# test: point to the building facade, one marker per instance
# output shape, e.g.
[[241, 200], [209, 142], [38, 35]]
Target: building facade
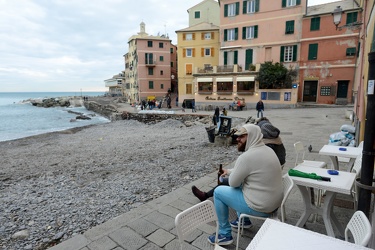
[[328, 59], [148, 66]]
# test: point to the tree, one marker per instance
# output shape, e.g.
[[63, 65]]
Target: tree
[[275, 76]]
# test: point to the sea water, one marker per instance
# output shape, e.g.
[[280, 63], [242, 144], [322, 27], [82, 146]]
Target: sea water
[[20, 119]]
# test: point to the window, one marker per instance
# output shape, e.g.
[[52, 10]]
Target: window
[[162, 86], [189, 36], [313, 51], [250, 32], [250, 6], [248, 59], [149, 43], [189, 89], [231, 9], [230, 57], [351, 17], [150, 71], [161, 72], [350, 52], [151, 84], [161, 58], [315, 23], [245, 86], [207, 51], [225, 87], [197, 14], [289, 27], [207, 36], [161, 45], [205, 87], [289, 3], [189, 52], [189, 69], [288, 53], [149, 58], [171, 50], [231, 34]]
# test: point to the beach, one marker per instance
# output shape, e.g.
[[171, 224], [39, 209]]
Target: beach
[[56, 185]]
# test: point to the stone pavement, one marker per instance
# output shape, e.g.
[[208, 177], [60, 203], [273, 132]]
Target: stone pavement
[[151, 225]]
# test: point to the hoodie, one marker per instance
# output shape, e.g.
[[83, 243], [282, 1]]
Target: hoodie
[[257, 171]]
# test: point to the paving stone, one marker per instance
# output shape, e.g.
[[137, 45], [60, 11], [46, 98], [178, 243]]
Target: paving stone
[[170, 211], [128, 239], [161, 237], [104, 243], [151, 246], [160, 220], [143, 227], [77, 242], [181, 204], [175, 245]]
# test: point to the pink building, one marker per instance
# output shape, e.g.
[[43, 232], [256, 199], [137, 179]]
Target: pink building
[[328, 58]]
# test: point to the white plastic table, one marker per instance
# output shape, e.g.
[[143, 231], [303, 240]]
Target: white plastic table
[[334, 151], [341, 183], [278, 235]]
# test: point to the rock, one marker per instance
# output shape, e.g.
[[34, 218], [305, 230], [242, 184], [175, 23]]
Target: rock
[[21, 234]]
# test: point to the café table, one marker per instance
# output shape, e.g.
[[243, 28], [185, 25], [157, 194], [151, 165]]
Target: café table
[[339, 184], [281, 236], [340, 151]]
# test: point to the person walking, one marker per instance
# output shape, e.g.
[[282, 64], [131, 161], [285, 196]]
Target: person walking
[[193, 106], [255, 184], [260, 108], [176, 101]]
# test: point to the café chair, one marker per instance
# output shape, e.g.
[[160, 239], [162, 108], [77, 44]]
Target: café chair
[[360, 228], [287, 187], [190, 219], [357, 170]]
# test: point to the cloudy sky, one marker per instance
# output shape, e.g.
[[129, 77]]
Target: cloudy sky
[[73, 45]]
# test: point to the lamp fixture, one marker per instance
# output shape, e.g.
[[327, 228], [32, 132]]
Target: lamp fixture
[[337, 14]]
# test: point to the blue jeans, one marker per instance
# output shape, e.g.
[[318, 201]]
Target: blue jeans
[[261, 113], [225, 197]]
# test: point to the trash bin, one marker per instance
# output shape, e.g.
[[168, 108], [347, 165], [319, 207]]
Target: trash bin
[[211, 133]]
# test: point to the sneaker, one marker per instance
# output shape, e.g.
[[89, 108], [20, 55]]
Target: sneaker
[[199, 194], [246, 224], [222, 240]]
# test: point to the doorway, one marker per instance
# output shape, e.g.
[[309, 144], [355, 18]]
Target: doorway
[[342, 89], [310, 89]]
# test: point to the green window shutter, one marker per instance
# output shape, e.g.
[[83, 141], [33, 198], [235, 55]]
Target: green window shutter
[[225, 58], [235, 59], [244, 7], [243, 33], [225, 35], [315, 23], [225, 10], [294, 53], [249, 58], [150, 84], [283, 3], [350, 52], [298, 2], [256, 31], [351, 17], [237, 8], [256, 5], [282, 48], [235, 33], [289, 27], [359, 47], [313, 51]]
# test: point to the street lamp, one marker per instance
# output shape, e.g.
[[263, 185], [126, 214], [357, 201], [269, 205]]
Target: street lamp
[[172, 82], [337, 14]]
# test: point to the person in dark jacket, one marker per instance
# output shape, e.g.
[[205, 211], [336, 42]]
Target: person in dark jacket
[[260, 108]]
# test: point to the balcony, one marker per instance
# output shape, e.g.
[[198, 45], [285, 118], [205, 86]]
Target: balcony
[[150, 63]]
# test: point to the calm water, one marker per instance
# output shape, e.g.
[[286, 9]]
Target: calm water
[[18, 120]]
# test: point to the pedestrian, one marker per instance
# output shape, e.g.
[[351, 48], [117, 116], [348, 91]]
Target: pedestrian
[[183, 106], [260, 108], [217, 114], [193, 106], [176, 101], [255, 184]]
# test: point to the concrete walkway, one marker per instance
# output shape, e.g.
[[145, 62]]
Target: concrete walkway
[[151, 225]]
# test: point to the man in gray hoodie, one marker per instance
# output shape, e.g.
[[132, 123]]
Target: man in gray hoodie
[[255, 183]]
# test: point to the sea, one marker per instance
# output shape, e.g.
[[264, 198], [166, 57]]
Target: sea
[[19, 119]]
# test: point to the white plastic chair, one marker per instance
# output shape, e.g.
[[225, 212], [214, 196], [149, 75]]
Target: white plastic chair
[[357, 170], [300, 157], [287, 187], [190, 219], [360, 227]]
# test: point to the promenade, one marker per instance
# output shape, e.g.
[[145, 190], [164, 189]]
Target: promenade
[[151, 225]]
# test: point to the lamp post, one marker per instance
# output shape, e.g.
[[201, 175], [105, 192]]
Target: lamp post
[[172, 83], [337, 14]]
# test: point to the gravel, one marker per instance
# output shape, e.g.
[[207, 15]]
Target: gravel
[[57, 185]]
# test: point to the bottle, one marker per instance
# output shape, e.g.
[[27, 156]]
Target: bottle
[[219, 178]]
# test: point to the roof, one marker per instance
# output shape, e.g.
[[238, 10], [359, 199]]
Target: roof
[[329, 7], [200, 27], [188, 10]]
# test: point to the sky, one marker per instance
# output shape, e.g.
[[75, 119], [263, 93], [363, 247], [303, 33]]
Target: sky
[[74, 45]]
